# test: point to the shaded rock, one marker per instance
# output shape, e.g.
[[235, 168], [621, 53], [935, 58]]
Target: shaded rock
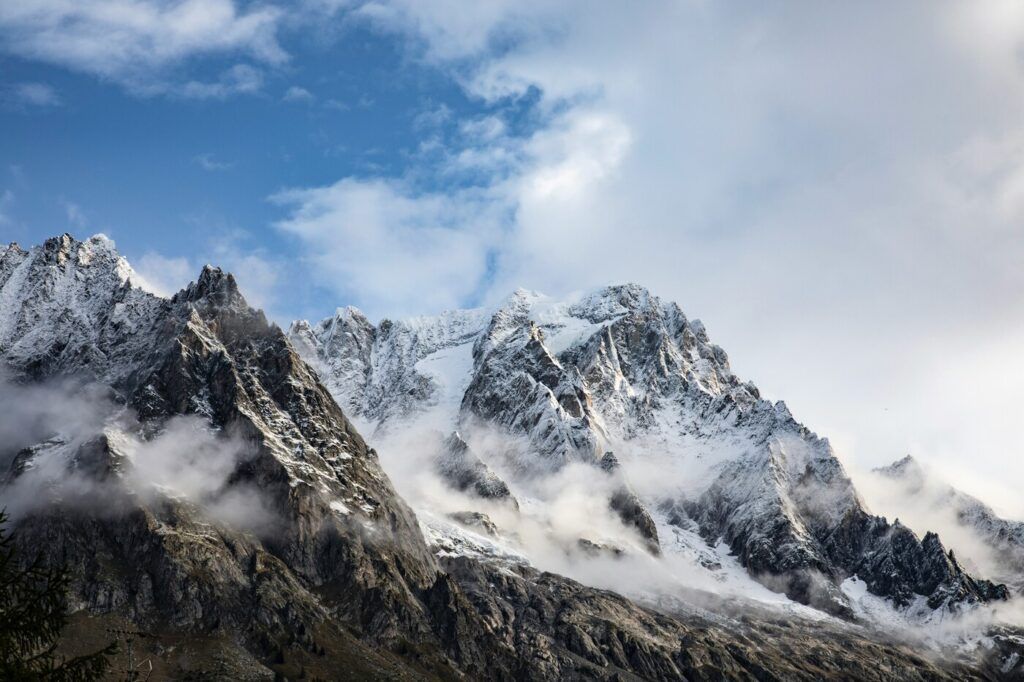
[[461, 468], [596, 549], [477, 521]]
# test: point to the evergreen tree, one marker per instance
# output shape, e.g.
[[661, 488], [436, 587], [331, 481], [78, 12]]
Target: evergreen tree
[[32, 617]]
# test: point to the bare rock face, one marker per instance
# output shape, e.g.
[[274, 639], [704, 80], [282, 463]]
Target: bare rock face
[[477, 521], [302, 560], [564, 629], [464, 471]]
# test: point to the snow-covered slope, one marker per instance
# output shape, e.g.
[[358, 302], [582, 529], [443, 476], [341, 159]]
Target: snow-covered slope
[[539, 387], [60, 302]]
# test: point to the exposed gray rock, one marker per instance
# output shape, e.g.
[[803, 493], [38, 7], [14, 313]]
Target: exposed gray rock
[[461, 468], [564, 630], [596, 549], [477, 521]]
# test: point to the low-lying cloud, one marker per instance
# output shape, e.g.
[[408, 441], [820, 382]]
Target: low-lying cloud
[[71, 443], [564, 523], [927, 503]]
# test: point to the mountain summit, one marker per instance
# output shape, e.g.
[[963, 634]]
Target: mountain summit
[[704, 458], [186, 461]]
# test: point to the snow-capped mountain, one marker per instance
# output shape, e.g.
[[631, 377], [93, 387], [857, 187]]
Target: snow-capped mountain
[[923, 493], [699, 454], [202, 486]]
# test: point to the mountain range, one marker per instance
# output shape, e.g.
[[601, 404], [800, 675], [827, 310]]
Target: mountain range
[[577, 488]]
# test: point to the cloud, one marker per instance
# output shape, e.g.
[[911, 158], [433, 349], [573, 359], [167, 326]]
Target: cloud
[[927, 505], [859, 240], [186, 457], [432, 117], [162, 275], [33, 413], [453, 31], [239, 79], [75, 214], [6, 200], [31, 95], [556, 512], [391, 247], [50, 434], [259, 277], [298, 94], [207, 162], [139, 44]]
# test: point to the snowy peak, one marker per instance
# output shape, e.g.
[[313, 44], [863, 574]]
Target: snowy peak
[[563, 382], [560, 384], [69, 308], [214, 287], [382, 371], [520, 387], [906, 470], [58, 301]]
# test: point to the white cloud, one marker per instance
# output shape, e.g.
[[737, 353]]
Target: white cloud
[[483, 128], [240, 79], [208, 162], [162, 275], [846, 220], [75, 214], [138, 43], [389, 247], [6, 200], [840, 216], [298, 94], [26, 95], [452, 30], [432, 117], [187, 457], [259, 277]]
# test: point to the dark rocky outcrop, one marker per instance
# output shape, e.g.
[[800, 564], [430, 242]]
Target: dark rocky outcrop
[[461, 468], [625, 502], [477, 521]]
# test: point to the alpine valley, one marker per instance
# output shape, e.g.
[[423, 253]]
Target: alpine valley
[[545, 489]]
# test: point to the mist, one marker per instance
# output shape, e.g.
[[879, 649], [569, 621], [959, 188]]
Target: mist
[[564, 524], [927, 504], [72, 444]]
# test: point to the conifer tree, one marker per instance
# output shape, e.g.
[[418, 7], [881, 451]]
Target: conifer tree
[[32, 616]]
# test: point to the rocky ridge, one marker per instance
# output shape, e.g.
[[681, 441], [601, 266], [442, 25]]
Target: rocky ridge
[[618, 370], [341, 584], [1003, 537]]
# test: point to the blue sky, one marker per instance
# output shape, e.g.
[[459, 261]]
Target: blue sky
[[836, 189], [183, 175]]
